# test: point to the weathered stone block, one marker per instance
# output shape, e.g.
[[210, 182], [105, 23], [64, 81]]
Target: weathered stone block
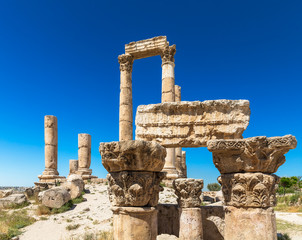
[[11, 200], [55, 197], [255, 154], [192, 124], [132, 155], [168, 213]]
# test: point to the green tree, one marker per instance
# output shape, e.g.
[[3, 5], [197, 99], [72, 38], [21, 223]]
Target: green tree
[[285, 182], [213, 187]]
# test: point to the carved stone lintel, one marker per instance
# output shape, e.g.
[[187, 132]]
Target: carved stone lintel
[[126, 62], [188, 191], [168, 54], [132, 155], [249, 189], [256, 154], [134, 189]]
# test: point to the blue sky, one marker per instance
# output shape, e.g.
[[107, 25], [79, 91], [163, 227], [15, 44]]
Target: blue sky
[[60, 58]]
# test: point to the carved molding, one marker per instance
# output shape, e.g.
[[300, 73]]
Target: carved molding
[[168, 53], [126, 62], [188, 191], [134, 189], [249, 189], [256, 154]]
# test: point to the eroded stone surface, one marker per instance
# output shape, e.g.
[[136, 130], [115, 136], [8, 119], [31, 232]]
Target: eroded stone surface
[[55, 197], [74, 185], [132, 155], [249, 189], [136, 189], [190, 224], [188, 191], [12, 200], [192, 124], [256, 154], [147, 47]]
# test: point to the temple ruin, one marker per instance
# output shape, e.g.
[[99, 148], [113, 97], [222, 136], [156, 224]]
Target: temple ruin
[[136, 167]]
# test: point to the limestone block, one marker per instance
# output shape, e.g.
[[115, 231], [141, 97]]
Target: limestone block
[[55, 197], [250, 224], [135, 223], [74, 185], [146, 48], [84, 151], [132, 155], [213, 222], [190, 224], [168, 219], [11, 200], [137, 189], [73, 166], [256, 154], [192, 124], [6, 193], [249, 189], [188, 191]]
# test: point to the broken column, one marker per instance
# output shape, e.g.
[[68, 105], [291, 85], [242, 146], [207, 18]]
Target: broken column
[[84, 155], [50, 174], [73, 166], [248, 183], [188, 191], [126, 112], [134, 177], [168, 95]]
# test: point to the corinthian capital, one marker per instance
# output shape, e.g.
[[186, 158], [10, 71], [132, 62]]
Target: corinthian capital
[[126, 62], [167, 54]]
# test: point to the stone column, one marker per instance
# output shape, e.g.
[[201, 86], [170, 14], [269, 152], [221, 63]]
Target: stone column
[[84, 155], [73, 166], [184, 164], [168, 95], [188, 191], [134, 178], [126, 111], [50, 174], [248, 183]]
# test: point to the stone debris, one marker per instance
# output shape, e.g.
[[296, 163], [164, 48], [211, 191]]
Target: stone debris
[[74, 185], [6, 193], [13, 199], [55, 197]]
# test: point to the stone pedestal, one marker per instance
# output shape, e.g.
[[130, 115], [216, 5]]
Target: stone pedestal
[[249, 185], [250, 224], [134, 177], [190, 223], [51, 174], [84, 155], [73, 166], [126, 111], [134, 223], [188, 191]]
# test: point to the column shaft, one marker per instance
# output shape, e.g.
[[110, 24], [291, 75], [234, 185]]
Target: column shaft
[[51, 145]]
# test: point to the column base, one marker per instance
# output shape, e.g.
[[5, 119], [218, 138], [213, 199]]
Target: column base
[[190, 224], [250, 224], [134, 223], [85, 173]]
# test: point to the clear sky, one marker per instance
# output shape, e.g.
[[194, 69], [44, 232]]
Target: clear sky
[[60, 58]]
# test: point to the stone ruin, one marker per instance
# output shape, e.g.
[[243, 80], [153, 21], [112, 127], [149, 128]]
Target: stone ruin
[[136, 167]]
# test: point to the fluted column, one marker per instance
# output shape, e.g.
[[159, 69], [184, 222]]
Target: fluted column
[[126, 111], [168, 95], [188, 191]]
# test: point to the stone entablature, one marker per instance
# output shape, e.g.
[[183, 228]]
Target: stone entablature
[[256, 154], [134, 189], [192, 124], [132, 155], [147, 48], [249, 189], [188, 191]]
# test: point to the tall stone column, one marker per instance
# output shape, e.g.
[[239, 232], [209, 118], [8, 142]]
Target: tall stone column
[[50, 174], [126, 111], [134, 177], [248, 183], [84, 156], [184, 164], [188, 191], [168, 95], [178, 151]]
